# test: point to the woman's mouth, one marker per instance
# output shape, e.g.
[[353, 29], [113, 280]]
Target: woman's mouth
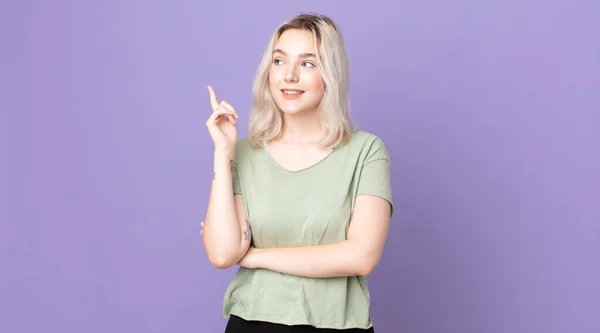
[[292, 93]]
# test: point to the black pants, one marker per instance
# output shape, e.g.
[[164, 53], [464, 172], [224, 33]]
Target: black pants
[[239, 325]]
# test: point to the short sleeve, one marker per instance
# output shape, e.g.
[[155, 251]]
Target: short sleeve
[[375, 173], [235, 178], [239, 165]]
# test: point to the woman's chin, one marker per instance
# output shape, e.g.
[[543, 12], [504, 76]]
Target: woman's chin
[[295, 109]]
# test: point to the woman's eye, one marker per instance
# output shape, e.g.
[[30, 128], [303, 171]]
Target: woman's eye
[[278, 61], [309, 64]]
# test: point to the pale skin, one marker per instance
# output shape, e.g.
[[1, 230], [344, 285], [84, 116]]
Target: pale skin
[[226, 232], [226, 236]]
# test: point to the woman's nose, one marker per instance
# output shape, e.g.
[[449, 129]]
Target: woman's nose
[[290, 75]]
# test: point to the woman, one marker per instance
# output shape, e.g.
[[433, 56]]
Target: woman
[[303, 204]]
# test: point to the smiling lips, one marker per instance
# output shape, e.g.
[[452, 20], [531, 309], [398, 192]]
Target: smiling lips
[[292, 94]]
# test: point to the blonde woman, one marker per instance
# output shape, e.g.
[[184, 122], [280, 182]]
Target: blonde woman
[[303, 204]]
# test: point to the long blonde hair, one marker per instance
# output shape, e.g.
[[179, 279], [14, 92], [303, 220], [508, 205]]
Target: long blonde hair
[[266, 120]]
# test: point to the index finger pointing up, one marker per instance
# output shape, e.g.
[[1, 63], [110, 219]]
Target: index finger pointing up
[[213, 98]]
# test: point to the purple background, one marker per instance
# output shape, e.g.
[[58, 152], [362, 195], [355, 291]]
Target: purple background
[[490, 110]]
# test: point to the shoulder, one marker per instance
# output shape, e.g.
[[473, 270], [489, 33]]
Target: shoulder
[[369, 145], [245, 149], [243, 146]]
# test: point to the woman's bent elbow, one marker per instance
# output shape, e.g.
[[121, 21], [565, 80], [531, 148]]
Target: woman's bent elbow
[[221, 261], [367, 266], [227, 259]]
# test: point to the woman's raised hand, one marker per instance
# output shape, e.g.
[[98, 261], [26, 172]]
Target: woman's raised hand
[[222, 123]]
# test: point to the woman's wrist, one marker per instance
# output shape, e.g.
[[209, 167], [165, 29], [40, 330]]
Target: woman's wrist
[[224, 153], [252, 258]]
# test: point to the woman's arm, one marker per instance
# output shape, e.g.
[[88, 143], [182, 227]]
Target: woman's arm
[[226, 234], [359, 255]]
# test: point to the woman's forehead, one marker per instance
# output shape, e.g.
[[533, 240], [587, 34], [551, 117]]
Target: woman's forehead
[[295, 42]]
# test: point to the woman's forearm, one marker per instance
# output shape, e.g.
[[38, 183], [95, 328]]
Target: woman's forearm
[[222, 235], [320, 261]]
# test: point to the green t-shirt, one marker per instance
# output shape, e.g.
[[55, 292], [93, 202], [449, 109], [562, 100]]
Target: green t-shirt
[[301, 208]]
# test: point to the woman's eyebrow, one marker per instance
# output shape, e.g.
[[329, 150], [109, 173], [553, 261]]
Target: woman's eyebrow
[[301, 55]]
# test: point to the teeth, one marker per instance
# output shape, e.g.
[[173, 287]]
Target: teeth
[[292, 92]]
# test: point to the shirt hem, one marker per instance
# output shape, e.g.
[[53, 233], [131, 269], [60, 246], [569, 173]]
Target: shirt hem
[[296, 322]]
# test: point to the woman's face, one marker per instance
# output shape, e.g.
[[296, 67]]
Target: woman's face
[[294, 79]]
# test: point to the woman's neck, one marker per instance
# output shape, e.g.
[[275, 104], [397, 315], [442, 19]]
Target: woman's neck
[[302, 129]]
